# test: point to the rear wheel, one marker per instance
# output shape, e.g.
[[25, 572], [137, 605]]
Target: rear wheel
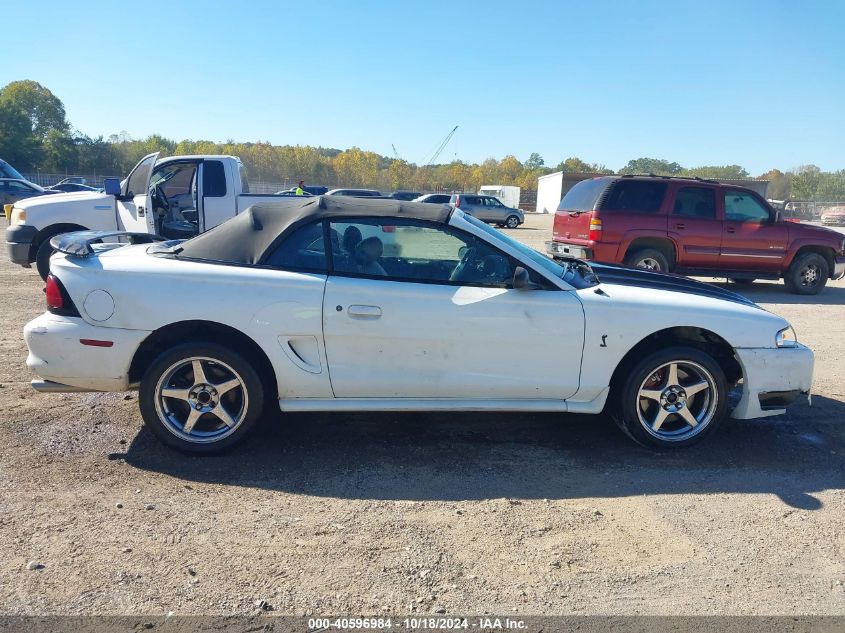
[[512, 222], [807, 275], [201, 397], [649, 259], [673, 398]]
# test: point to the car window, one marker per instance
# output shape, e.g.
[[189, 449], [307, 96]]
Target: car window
[[635, 196], [743, 207], [417, 251], [492, 202], [304, 249], [474, 200], [213, 179], [21, 187], [584, 195], [695, 202]]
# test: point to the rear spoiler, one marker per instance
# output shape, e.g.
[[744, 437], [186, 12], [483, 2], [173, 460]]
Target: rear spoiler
[[78, 244]]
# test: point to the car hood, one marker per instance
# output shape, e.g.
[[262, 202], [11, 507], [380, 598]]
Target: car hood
[[799, 229], [93, 197], [627, 276]]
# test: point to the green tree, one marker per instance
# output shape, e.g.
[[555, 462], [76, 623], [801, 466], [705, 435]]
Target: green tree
[[780, 184], [17, 143], [44, 109], [717, 172], [535, 161], [651, 166], [805, 182]]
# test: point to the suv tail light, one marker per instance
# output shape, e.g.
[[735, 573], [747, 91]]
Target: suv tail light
[[58, 300], [595, 230], [457, 201]]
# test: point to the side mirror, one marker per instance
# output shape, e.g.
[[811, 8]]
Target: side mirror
[[112, 186], [522, 280]]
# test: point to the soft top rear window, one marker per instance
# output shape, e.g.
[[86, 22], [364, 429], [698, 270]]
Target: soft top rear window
[[584, 195]]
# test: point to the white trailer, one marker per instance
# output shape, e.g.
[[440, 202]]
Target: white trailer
[[549, 188], [507, 194]]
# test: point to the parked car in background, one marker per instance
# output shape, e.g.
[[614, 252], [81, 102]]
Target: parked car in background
[[404, 195], [295, 303], [488, 209], [834, 216], [71, 187], [434, 198], [313, 190], [14, 189], [355, 193], [693, 227]]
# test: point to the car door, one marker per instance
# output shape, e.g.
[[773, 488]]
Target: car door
[[752, 238], [134, 209], [695, 226], [439, 318]]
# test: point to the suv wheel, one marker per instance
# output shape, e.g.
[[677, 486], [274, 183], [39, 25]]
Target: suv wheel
[[512, 222], [807, 275], [200, 397], [42, 257], [649, 259], [672, 398]]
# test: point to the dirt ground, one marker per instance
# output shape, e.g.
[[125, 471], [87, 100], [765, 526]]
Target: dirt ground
[[415, 513]]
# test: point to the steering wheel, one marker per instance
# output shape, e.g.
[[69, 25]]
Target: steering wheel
[[159, 199], [468, 262]]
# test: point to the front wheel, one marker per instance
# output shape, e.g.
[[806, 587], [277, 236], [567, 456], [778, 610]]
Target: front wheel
[[42, 258], [512, 222], [673, 398], [807, 275], [201, 397]]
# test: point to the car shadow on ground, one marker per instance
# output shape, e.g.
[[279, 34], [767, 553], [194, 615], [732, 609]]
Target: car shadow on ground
[[776, 292], [451, 456]]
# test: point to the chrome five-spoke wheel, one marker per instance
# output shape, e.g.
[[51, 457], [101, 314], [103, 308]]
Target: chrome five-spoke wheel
[[672, 397], [201, 397], [677, 400]]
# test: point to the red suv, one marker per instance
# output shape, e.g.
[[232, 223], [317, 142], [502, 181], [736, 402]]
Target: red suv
[[693, 227]]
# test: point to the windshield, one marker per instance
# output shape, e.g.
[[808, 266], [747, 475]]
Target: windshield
[[573, 271], [7, 171]]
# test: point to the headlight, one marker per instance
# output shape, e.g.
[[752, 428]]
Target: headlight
[[18, 216], [786, 337]]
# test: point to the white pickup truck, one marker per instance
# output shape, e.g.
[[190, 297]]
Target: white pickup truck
[[176, 197]]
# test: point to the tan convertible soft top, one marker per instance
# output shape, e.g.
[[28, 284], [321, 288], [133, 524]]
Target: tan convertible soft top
[[246, 238]]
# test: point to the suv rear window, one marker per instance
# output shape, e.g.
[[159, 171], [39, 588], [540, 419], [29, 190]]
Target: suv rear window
[[583, 196], [635, 196]]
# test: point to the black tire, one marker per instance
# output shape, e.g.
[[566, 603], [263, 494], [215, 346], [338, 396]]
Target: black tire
[[649, 259], [243, 403], [807, 275], [42, 257], [512, 222], [709, 405], [743, 282]]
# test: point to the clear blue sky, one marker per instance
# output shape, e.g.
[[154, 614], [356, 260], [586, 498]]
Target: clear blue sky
[[760, 84]]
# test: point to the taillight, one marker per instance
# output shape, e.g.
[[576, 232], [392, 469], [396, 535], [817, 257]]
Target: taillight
[[595, 230], [457, 201], [54, 294]]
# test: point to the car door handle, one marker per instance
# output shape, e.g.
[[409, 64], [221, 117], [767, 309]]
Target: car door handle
[[680, 226], [364, 312], [731, 229]]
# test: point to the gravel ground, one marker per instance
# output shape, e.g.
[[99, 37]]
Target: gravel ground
[[418, 513]]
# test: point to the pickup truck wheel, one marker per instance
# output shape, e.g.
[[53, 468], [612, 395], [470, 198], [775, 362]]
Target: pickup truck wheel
[[200, 397], [512, 222], [42, 258], [807, 275], [673, 398], [649, 259]]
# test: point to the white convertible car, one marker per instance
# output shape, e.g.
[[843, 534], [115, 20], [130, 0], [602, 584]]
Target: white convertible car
[[343, 304]]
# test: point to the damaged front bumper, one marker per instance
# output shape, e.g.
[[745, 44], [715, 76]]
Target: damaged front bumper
[[772, 379]]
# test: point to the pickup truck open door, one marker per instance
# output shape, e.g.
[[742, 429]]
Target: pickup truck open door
[[134, 207]]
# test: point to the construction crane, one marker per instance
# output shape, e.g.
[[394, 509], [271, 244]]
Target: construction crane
[[441, 147], [395, 153]]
